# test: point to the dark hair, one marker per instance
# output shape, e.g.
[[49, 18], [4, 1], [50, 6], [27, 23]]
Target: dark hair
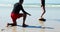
[[21, 1]]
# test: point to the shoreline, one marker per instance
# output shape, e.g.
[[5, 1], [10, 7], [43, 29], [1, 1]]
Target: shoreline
[[29, 5]]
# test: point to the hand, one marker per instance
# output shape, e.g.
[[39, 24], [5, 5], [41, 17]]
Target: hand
[[29, 14]]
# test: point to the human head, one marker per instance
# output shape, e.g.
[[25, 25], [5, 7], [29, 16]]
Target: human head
[[21, 1]]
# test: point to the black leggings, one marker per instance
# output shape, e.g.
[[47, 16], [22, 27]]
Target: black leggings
[[43, 2]]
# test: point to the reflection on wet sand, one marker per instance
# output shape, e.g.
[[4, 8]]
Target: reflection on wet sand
[[14, 29], [42, 23], [42, 30], [24, 29]]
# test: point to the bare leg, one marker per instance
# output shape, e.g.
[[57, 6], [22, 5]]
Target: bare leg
[[24, 18], [43, 11], [42, 19], [14, 22]]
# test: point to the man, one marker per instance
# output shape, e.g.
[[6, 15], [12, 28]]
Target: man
[[15, 14]]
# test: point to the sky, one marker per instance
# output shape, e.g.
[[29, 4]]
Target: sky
[[29, 1]]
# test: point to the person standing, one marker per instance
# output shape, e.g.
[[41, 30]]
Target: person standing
[[43, 7]]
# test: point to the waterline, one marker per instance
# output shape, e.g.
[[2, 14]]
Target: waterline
[[25, 5]]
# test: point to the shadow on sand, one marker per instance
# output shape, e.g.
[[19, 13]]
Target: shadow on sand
[[36, 27]]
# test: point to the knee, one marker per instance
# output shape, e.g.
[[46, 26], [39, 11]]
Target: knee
[[24, 14], [44, 11]]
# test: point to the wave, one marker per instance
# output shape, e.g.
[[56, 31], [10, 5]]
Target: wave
[[31, 5]]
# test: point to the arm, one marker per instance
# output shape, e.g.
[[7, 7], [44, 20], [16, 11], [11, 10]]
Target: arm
[[24, 11]]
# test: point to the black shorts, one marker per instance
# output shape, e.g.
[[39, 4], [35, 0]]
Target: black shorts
[[43, 3]]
